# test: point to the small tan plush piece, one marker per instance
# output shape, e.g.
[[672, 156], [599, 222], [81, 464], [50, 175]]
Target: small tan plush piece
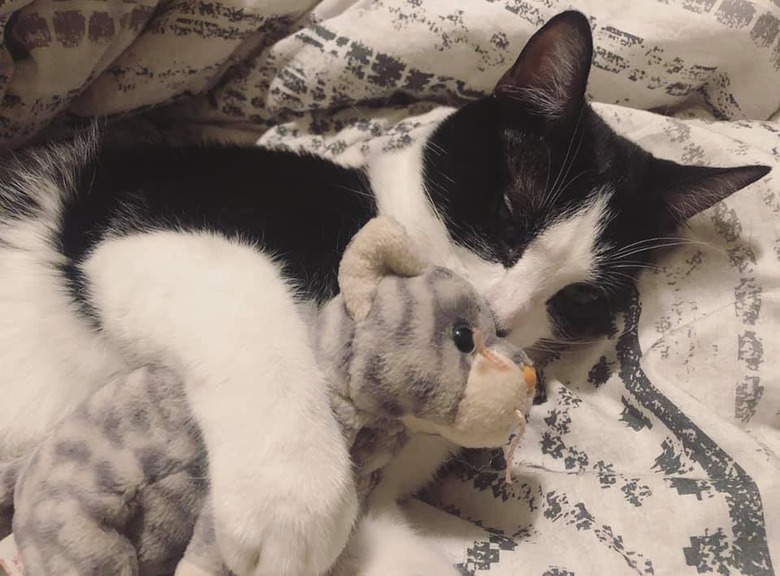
[[380, 248]]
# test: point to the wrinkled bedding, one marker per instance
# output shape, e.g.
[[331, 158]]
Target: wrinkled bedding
[[658, 451]]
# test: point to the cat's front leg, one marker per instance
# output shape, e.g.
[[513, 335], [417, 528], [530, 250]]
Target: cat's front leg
[[221, 314]]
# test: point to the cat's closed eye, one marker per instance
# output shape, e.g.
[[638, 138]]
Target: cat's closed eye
[[580, 294], [580, 310]]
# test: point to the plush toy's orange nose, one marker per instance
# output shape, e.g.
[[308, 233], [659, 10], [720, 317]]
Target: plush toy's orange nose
[[529, 374]]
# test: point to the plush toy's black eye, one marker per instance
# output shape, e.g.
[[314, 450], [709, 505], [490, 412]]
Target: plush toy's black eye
[[463, 338]]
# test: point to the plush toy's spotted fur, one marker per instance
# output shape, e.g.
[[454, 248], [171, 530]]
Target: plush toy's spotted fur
[[123, 474]]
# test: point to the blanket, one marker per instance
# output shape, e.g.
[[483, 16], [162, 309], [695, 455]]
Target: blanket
[[658, 451]]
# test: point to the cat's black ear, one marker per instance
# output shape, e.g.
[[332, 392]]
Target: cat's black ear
[[550, 75], [687, 190]]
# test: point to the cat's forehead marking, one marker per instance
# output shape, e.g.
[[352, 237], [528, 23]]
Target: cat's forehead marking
[[566, 251]]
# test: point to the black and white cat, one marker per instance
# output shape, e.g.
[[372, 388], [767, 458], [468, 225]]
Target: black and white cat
[[205, 258]]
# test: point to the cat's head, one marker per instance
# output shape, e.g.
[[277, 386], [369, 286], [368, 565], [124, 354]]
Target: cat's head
[[562, 212]]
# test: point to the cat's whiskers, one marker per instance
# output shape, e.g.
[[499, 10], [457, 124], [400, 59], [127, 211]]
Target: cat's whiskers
[[657, 240], [564, 184], [641, 263], [568, 161], [569, 183], [560, 187], [362, 193], [433, 183], [648, 249], [550, 194], [439, 187], [549, 171], [662, 243], [636, 266], [447, 177], [612, 282], [435, 148]]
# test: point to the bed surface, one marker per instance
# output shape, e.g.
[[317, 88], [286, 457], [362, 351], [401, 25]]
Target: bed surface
[[658, 451]]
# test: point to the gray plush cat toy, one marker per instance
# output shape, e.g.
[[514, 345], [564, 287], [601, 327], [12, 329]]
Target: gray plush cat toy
[[120, 487]]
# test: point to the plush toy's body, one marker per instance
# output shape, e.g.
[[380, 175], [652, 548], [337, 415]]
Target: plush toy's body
[[120, 486]]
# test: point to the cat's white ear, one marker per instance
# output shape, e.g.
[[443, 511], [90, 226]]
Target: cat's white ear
[[549, 78], [382, 247]]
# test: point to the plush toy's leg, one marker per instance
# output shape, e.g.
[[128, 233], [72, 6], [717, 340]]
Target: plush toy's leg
[[82, 548], [164, 529], [222, 314], [113, 475], [66, 519]]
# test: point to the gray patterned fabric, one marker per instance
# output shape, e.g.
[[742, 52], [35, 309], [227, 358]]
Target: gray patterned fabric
[[658, 451], [289, 69], [117, 488]]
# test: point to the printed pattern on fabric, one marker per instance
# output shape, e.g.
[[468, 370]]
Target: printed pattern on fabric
[[658, 451], [336, 69]]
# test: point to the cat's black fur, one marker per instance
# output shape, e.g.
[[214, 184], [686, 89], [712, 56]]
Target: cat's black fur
[[302, 208], [487, 170]]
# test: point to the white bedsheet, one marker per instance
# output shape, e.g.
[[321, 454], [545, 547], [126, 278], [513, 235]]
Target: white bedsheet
[[658, 450]]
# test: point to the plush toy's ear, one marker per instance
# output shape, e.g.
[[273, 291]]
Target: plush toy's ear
[[380, 248]]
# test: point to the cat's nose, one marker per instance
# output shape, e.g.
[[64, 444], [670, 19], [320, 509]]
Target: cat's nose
[[506, 323], [507, 311]]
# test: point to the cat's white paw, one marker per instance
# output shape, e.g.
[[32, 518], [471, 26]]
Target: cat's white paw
[[267, 537], [288, 518]]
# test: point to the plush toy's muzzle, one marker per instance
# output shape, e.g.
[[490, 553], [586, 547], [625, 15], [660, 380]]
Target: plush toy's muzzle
[[496, 399]]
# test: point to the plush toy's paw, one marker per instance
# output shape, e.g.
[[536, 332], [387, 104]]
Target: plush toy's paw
[[286, 520]]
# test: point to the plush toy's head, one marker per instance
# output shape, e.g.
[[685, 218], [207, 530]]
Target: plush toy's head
[[417, 343]]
